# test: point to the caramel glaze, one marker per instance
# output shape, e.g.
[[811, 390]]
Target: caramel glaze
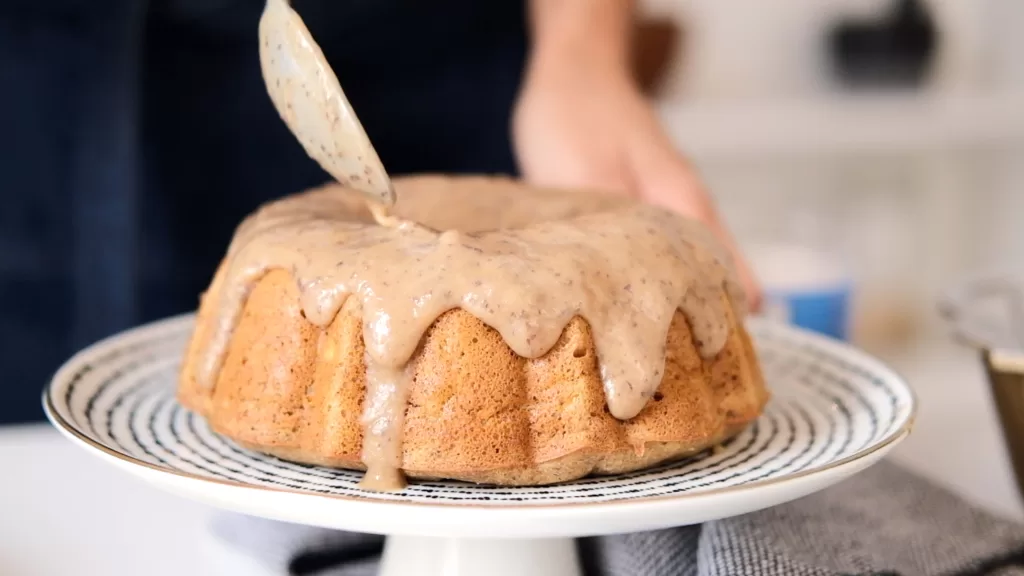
[[524, 261]]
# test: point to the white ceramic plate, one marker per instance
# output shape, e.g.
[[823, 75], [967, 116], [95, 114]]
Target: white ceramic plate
[[834, 412]]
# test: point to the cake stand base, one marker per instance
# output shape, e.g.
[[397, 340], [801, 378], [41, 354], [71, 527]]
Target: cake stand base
[[424, 556]]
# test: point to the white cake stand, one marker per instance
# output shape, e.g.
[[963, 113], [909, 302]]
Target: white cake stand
[[835, 411]]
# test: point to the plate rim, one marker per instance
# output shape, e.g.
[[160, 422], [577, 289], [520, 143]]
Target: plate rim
[[898, 433]]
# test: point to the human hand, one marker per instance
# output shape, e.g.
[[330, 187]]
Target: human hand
[[586, 126]]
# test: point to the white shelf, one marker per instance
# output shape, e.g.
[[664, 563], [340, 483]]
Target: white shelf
[[848, 124]]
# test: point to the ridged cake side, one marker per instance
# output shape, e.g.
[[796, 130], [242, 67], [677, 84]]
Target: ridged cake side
[[476, 411]]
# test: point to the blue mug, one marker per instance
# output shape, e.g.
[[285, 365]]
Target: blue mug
[[805, 288]]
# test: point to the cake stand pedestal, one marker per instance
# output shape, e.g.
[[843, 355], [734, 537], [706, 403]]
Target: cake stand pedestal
[[415, 556]]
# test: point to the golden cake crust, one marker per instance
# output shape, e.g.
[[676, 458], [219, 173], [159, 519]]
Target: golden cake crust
[[477, 411]]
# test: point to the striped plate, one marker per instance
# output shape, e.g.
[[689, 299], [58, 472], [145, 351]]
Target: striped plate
[[834, 411]]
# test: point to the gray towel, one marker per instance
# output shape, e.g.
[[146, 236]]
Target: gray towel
[[884, 521]]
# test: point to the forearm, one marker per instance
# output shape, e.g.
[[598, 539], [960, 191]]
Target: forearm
[[574, 35]]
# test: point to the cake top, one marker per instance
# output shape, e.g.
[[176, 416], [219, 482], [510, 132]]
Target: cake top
[[523, 260]]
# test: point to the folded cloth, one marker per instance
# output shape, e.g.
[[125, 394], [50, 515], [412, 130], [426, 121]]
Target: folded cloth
[[884, 521]]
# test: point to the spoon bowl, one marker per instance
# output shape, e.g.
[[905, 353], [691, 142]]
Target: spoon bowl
[[307, 95]]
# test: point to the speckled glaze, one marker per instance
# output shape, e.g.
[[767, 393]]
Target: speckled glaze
[[310, 100]]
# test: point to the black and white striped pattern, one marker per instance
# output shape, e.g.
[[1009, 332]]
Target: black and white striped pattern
[[830, 404]]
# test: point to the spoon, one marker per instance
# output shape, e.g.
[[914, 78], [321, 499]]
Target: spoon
[[310, 100]]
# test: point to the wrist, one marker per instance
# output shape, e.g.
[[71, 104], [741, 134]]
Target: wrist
[[574, 39]]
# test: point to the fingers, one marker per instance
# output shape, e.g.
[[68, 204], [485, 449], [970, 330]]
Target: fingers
[[566, 172], [665, 179]]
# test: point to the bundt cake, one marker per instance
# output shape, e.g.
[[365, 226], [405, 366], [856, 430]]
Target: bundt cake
[[502, 334]]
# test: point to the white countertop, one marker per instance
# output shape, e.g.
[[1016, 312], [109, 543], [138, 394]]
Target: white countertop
[[63, 511]]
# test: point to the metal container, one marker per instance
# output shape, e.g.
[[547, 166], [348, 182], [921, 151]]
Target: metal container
[[987, 313]]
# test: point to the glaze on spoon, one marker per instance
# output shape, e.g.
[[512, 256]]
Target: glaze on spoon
[[310, 100]]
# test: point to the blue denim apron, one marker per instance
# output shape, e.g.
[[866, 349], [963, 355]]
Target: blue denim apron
[[134, 136]]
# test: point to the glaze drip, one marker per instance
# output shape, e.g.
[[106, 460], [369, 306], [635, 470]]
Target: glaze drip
[[387, 394]]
